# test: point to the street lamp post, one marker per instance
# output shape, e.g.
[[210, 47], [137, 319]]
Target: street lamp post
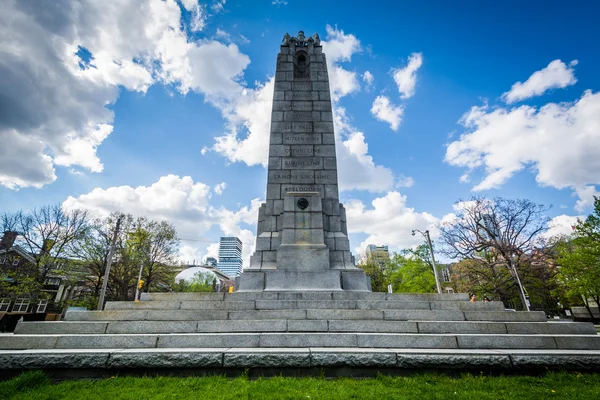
[[108, 263], [435, 273], [521, 290]]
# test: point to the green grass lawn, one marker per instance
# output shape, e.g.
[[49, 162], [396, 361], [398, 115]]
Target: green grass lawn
[[35, 385]]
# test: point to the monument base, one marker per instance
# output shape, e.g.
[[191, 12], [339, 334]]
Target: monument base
[[303, 281]]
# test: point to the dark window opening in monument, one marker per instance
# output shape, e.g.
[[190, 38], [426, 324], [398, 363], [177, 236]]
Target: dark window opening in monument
[[301, 69]]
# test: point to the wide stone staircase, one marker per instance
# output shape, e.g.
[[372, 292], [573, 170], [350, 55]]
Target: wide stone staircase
[[342, 331]]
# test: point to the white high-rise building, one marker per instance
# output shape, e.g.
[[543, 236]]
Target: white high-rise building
[[230, 256]]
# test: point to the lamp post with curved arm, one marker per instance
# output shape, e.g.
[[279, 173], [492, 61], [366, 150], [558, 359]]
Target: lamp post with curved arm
[[426, 236]]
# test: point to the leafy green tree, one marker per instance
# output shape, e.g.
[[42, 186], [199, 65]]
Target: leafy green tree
[[141, 243], [501, 238], [201, 282], [47, 234], [411, 271], [375, 273], [579, 258]]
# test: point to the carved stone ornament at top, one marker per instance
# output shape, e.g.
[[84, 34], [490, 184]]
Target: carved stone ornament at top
[[317, 39], [301, 40]]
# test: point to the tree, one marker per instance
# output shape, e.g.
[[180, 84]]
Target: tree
[[157, 245], [579, 258], [484, 277], [375, 273], [140, 243], [201, 282], [411, 271], [92, 251], [47, 234], [500, 238]]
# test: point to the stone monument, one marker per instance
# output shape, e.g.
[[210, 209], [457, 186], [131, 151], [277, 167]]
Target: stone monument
[[302, 306], [302, 238]]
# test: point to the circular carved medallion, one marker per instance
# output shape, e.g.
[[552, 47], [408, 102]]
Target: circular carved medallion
[[302, 203]]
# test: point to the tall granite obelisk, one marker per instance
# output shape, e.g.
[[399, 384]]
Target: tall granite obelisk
[[302, 239]]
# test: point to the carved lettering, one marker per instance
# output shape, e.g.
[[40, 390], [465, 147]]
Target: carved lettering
[[302, 116], [302, 106], [301, 127], [302, 189], [299, 151], [301, 163], [301, 96], [301, 139], [302, 86], [292, 176]]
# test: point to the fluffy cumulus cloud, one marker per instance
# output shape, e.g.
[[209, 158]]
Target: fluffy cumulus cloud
[[248, 121], [63, 63], [561, 142], [389, 221], [406, 78], [181, 201], [339, 47], [356, 168], [385, 111], [562, 225], [555, 76], [220, 188]]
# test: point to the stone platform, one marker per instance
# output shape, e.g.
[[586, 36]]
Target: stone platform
[[301, 333]]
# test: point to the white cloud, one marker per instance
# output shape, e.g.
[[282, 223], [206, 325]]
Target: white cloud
[[356, 168], [248, 115], [561, 142], [385, 111], [406, 78], [368, 78], [339, 47], [54, 97], [220, 188], [562, 225], [199, 15], [404, 181], [218, 6], [279, 3], [555, 76], [230, 221], [179, 200], [221, 34], [389, 222], [586, 196]]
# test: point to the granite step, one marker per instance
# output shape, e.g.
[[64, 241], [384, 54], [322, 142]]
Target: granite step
[[242, 296], [283, 340], [312, 314], [233, 305], [333, 361], [282, 325]]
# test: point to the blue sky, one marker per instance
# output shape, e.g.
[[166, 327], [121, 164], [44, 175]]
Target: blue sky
[[169, 117]]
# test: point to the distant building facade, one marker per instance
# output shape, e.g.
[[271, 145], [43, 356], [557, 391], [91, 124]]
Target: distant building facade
[[445, 276], [230, 256], [17, 263], [211, 261], [378, 254]]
